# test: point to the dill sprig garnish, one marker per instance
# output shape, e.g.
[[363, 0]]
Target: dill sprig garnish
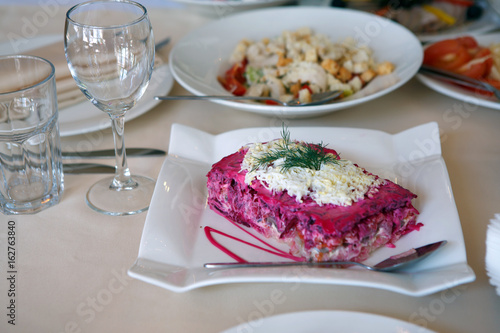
[[296, 154]]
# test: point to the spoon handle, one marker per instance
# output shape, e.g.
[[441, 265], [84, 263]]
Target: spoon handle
[[323, 264], [387, 265], [221, 97]]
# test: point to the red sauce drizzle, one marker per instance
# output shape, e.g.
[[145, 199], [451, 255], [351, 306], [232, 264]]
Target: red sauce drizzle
[[271, 249]]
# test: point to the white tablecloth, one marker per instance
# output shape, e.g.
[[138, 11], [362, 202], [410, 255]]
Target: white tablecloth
[[71, 262]]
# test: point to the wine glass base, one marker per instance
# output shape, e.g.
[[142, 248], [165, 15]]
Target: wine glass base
[[106, 200]]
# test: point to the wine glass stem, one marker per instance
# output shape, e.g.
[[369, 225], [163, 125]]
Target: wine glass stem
[[122, 179]]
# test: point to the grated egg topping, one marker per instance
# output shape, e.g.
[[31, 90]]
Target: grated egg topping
[[340, 183]]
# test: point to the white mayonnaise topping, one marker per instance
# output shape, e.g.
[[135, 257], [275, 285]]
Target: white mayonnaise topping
[[340, 183]]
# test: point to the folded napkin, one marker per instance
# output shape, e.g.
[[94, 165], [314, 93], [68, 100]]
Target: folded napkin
[[12, 80], [493, 252], [68, 92]]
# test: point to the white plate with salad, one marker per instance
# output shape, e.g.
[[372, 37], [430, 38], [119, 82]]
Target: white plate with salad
[[463, 94], [432, 20], [202, 56], [220, 8], [488, 21], [174, 244]]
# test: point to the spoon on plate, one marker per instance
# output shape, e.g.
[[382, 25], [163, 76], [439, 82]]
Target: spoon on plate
[[387, 265], [316, 99]]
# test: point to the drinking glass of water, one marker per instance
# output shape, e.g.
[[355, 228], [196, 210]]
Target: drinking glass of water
[[31, 175]]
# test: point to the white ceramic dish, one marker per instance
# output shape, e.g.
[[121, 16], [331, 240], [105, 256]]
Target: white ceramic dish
[[487, 22], [84, 117], [328, 321], [174, 246], [221, 8], [495, 5], [463, 94], [202, 55]]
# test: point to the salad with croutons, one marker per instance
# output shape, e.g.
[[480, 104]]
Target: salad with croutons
[[299, 63]]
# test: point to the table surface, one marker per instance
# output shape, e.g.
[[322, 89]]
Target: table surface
[[69, 257]]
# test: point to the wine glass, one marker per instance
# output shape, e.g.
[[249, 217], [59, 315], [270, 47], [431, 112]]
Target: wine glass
[[109, 47]]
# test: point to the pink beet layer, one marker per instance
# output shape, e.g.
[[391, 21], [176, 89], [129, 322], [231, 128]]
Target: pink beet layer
[[317, 233]]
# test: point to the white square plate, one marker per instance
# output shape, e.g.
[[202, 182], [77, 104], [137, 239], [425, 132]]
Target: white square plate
[[174, 246]]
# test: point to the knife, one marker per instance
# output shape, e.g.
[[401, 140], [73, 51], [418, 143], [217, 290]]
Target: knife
[[162, 43], [79, 168], [110, 153]]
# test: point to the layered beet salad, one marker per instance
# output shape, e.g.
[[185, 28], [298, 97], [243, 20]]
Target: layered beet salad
[[324, 207]]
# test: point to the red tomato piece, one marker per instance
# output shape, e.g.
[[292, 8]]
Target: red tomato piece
[[479, 66], [448, 54], [270, 102], [468, 41], [493, 82], [234, 80], [306, 86], [463, 55]]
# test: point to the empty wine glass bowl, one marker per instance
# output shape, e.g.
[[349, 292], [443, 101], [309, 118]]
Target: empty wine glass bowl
[[109, 47]]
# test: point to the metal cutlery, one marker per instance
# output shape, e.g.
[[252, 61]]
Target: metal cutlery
[[80, 168], [110, 153], [387, 265], [459, 79], [316, 99], [162, 43]]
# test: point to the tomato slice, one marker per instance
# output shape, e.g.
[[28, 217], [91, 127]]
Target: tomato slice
[[468, 41], [234, 79], [270, 102], [463, 55], [306, 86], [479, 66], [235, 87], [493, 82], [448, 54]]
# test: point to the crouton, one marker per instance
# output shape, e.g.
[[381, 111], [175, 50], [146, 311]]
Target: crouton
[[295, 88], [282, 61], [331, 66], [343, 75], [385, 68], [368, 75]]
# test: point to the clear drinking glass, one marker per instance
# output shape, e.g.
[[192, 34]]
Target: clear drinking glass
[[109, 47], [31, 172]]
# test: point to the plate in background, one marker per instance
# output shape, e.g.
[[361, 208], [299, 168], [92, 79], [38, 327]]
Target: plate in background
[[221, 8], [84, 117], [198, 58], [459, 93], [488, 21], [328, 321]]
